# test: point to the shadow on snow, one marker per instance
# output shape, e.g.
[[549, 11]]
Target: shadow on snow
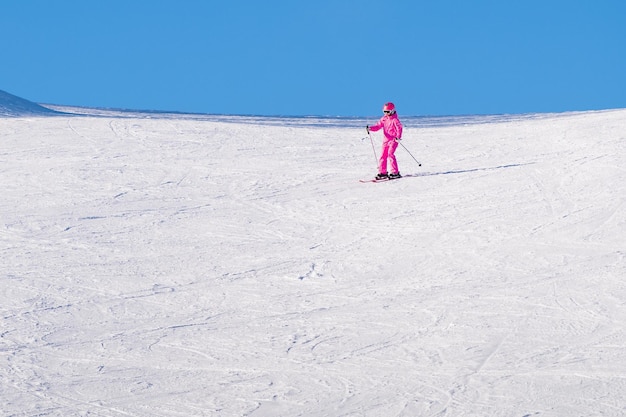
[[464, 171]]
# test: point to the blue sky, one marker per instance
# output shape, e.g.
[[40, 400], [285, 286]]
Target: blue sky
[[336, 58]]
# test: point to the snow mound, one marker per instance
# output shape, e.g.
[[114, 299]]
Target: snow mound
[[13, 106]]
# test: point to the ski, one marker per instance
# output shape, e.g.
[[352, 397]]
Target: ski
[[380, 180], [375, 180], [388, 179]]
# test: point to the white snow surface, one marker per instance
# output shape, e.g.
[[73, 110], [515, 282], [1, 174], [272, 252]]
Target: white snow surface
[[187, 265]]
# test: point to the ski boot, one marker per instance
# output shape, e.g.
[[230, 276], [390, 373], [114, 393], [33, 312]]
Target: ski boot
[[381, 176]]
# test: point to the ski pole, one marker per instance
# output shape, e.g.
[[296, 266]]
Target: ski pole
[[418, 162], [373, 149]]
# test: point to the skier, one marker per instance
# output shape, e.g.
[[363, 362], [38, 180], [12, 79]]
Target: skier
[[392, 130]]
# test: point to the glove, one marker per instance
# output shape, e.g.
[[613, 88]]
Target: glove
[[368, 129]]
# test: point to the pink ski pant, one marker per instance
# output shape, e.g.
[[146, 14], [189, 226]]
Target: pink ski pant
[[388, 154]]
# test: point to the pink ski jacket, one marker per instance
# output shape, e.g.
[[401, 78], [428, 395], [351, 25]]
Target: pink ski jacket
[[392, 128]]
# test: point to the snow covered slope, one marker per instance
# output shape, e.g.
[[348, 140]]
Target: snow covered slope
[[173, 266], [11, 105]]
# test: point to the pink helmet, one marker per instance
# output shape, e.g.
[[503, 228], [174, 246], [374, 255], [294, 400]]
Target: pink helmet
[[390, 107]]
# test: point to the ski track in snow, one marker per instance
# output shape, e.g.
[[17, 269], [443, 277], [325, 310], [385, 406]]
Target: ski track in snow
[[161, 265]]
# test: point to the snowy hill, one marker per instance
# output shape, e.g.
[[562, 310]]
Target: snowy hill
[[11, 106], [187, 266]]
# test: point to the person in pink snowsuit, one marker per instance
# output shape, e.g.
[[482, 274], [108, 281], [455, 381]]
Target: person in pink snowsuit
[[392, 131]]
